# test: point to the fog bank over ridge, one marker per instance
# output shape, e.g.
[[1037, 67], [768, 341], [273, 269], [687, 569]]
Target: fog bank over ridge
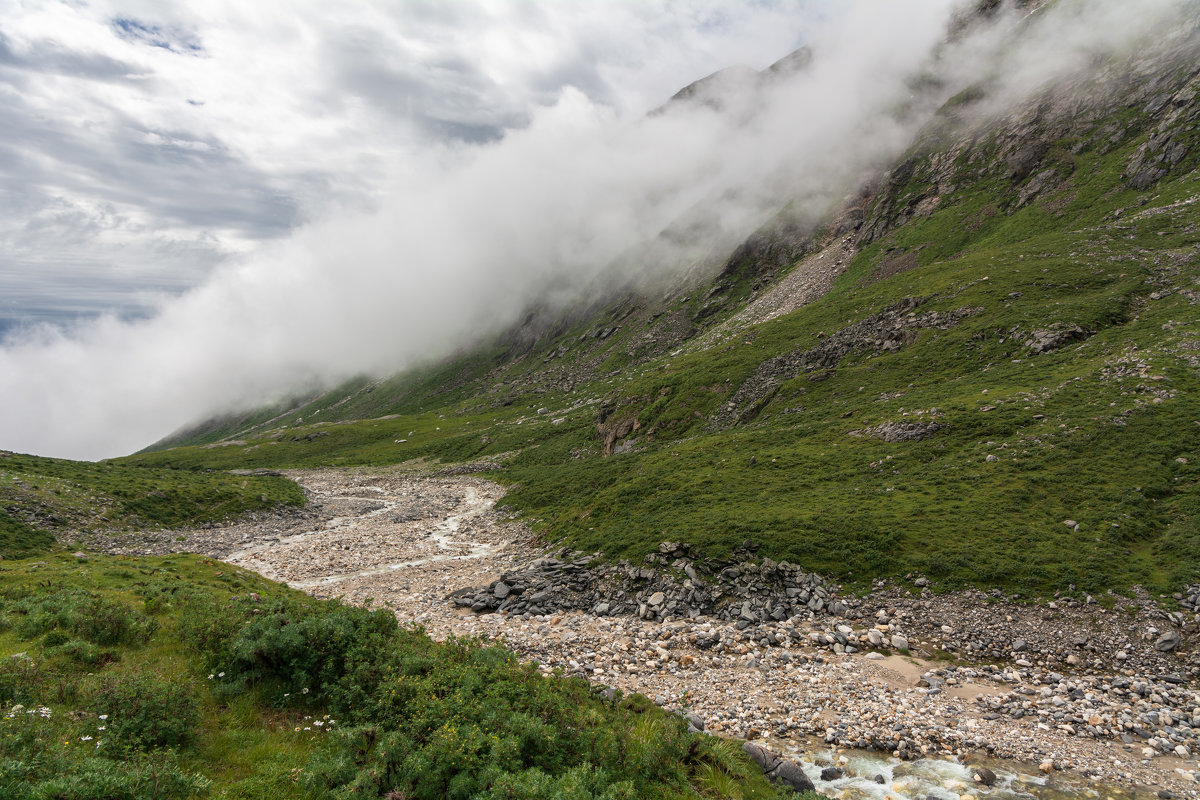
[[459, 239]]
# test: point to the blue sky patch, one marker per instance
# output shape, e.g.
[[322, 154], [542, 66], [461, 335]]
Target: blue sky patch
[[134, 30]]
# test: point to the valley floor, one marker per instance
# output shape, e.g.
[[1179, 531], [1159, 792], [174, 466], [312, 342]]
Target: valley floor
[[379, 538]]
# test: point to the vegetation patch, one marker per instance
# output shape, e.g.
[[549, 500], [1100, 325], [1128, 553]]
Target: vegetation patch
[[218, 683]]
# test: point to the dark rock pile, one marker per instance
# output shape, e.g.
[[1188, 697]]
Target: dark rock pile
[[675, 584], [780, 603]]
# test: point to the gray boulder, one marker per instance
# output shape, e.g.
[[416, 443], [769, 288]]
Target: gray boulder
[[1167, 642]]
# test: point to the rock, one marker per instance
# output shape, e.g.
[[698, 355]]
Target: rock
[[985, 776], [790, 774], [766, 760], [875, 637], [1167, 642], [657, 599], [1051, 338], [832, 774], [899, 642], [1018, 645], [501, 590]]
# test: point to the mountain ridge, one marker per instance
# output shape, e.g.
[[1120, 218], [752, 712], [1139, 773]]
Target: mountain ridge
[[1006, 311]]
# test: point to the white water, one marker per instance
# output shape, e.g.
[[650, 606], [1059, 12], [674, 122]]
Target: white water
[[945, 780]]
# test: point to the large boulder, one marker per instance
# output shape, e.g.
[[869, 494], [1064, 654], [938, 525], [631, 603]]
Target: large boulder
[[778, 769]]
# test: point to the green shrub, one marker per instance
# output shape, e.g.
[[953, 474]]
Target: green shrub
[[146, 710], [305, 650], [21, 681], [69, 776], [88, 616], [108, 622], [55, 638], [84, 653]]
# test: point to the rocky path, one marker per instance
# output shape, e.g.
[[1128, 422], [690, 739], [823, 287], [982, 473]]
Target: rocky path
[[408, 543]]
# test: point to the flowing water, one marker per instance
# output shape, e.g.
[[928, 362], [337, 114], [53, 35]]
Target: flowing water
[[948, 780]]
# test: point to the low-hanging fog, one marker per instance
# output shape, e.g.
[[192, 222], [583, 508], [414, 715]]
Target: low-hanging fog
[[451, 235]]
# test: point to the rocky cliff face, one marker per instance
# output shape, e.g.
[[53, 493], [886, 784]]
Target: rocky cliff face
[[1025, 154]]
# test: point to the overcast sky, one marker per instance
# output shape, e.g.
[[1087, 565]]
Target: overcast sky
[[206, 205], [143, 143]]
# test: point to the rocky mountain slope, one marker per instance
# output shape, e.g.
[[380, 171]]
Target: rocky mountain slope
[[980, 367]]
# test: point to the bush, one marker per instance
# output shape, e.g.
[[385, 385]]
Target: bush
[[145, 710], [88, 616], [71, 777], [55, 638], [305, 650], [82, 652], [21, 681], [107, 622]]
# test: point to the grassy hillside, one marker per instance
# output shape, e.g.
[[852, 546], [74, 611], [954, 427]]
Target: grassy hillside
[[182, 677], [1062, 387], [1000, 389], [41, 496]]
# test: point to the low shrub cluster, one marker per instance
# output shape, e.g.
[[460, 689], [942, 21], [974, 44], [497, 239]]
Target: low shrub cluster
[[69, 734], [131, 681], [419, 719]]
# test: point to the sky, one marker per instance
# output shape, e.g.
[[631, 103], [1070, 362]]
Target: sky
[[145, 143], [206, 205]]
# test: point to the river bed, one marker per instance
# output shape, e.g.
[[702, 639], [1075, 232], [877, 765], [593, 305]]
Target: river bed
[[405, 542]]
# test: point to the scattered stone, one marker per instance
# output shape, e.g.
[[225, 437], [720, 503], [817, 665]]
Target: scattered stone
[[984, 776], [1167, 642]]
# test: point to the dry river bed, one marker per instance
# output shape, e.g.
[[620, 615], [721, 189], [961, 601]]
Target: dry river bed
[[405, 543]]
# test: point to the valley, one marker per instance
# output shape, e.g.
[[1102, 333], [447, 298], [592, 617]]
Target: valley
[[408, 543]]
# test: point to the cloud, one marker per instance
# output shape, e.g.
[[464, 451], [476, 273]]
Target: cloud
[[428, 173], [147, 143]]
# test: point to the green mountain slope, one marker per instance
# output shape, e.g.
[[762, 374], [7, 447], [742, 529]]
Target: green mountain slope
[[995, 385]]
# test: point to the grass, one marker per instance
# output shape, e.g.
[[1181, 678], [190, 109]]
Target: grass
[[179, 677], [39, 496]]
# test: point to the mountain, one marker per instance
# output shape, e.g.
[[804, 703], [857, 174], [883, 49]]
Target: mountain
[[979, 365]]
